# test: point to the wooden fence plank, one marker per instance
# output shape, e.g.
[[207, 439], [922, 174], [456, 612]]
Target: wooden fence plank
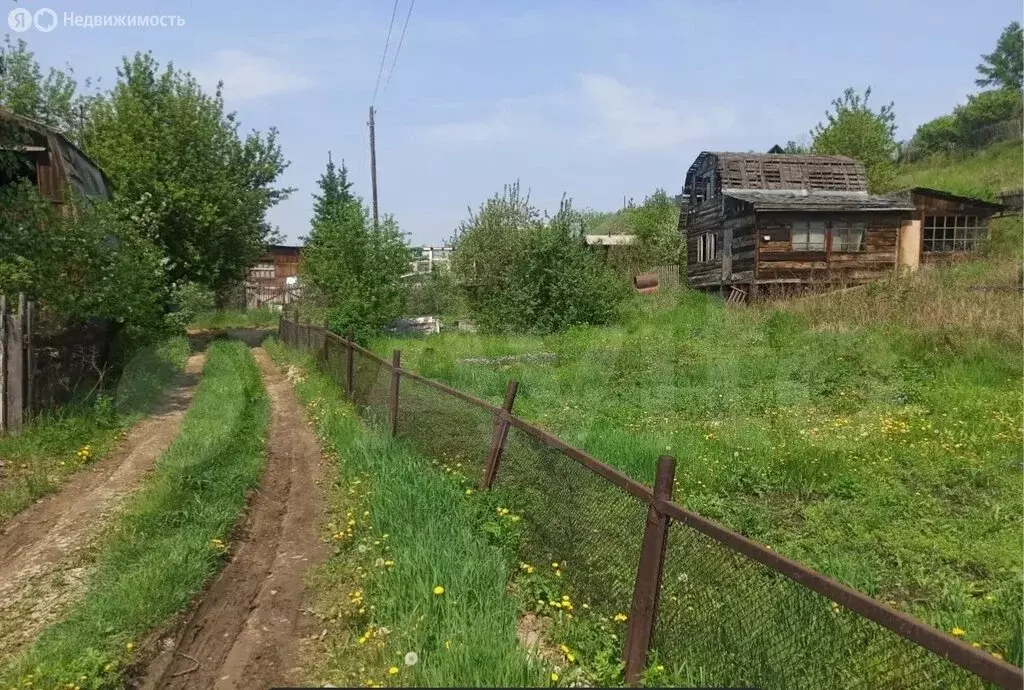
[[16, 368], [3, 364]]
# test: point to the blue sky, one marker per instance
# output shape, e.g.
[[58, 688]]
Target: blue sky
[[596, 99]]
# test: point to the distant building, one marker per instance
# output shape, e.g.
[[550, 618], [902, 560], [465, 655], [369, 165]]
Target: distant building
[[427, 256], [760, 222], [274, 279]]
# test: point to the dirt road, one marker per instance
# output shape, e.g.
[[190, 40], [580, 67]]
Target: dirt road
[[244, 633], [44, 551]]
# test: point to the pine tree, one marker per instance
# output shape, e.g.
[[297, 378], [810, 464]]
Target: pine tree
[[352, 269], [335, 189]]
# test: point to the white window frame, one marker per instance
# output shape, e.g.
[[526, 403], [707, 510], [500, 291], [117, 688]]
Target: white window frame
[[953, 233], [706, 247]]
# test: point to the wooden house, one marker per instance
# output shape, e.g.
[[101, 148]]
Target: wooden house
[[945, 227], [273, 280], [760, 222], [48, 160]]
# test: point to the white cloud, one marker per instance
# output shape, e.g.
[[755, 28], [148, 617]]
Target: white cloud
[[634, 120], [489, 130], [247, 76]]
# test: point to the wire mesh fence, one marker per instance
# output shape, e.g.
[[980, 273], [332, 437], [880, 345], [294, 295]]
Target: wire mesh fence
[[726, 620], [574, 518], [723, 610]]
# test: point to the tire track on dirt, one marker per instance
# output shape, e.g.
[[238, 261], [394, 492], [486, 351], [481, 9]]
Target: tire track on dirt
[[244, 633], [44, 550]]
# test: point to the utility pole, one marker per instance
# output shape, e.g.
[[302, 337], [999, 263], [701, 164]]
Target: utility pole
[[373, 167]]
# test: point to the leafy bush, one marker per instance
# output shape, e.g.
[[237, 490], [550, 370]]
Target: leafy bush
[[435, 293], [95, 263], [971, 125], [857, 131], [529, 273], [189, 301]]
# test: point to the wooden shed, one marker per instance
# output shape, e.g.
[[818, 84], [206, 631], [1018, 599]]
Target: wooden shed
[[49, 160], [758, 222], [273, 279], [945, 227]]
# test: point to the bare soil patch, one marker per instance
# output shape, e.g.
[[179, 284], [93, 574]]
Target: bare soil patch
[[45, 550], [245, 632]]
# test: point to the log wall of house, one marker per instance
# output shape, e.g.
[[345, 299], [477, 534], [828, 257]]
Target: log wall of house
[[778, 263], [705, 218]]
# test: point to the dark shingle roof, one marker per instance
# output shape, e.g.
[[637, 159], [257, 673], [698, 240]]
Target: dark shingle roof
[[802, 200]]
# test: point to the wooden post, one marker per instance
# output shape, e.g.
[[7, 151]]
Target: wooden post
[[30, 368], [16, 368], [500, 434], [643, 614], [3, 364], [350, 369], [325, 349], [396, 376]]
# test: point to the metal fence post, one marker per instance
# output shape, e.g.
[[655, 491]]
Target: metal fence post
[[396, 375], [500, 434], [643, 614], [350, 369]]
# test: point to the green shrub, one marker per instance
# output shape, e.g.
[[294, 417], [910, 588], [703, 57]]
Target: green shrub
[[525, 272]]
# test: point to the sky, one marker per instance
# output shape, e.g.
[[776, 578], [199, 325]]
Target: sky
[[593, 99]]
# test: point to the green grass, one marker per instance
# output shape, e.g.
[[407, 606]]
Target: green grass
[[879, 444], [236, 318], [160, 553], [400, 529], [45, 454], [981, 174]]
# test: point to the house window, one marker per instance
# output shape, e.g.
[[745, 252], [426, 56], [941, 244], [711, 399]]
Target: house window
[[848, 237], [953, 233], [706, 249], [809, 236], [264, 270]]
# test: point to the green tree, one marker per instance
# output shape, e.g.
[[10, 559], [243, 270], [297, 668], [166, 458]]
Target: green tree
[[52, 99], [527, 273], [853, 129], [161, 138], [349, 267], [1003, 68]]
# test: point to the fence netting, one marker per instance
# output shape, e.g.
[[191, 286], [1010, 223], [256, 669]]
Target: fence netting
[[575, 518], [723, 619], [726, 620], [450, 431]]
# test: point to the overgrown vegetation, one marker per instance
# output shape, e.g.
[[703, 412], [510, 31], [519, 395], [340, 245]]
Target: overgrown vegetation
[[853, 129], [414, 594], [235, 318], [871, 435], [40, 459], [526, 272], [171, 538], [352, 269]]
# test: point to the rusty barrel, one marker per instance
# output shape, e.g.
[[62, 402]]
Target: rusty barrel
[[646, 283]]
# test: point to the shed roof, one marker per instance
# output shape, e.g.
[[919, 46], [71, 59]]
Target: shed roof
[[79, 171], [782, 171], [803, 200], [940, 194]]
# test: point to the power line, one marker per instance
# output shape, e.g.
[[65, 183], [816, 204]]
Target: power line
[[399, 48], [383, 57]]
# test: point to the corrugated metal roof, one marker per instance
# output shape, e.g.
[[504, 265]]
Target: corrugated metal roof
[[803, 200]]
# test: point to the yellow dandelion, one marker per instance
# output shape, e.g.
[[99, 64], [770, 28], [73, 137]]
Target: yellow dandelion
[[393, 671], [554, 677], [958, 632], [129, 646], [997, 655], [620, 617], [439, 590]]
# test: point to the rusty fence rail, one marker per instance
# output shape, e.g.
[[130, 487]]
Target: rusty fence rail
[[719, 608]]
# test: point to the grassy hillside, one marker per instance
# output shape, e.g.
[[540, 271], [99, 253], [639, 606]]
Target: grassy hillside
[[982, 174]]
